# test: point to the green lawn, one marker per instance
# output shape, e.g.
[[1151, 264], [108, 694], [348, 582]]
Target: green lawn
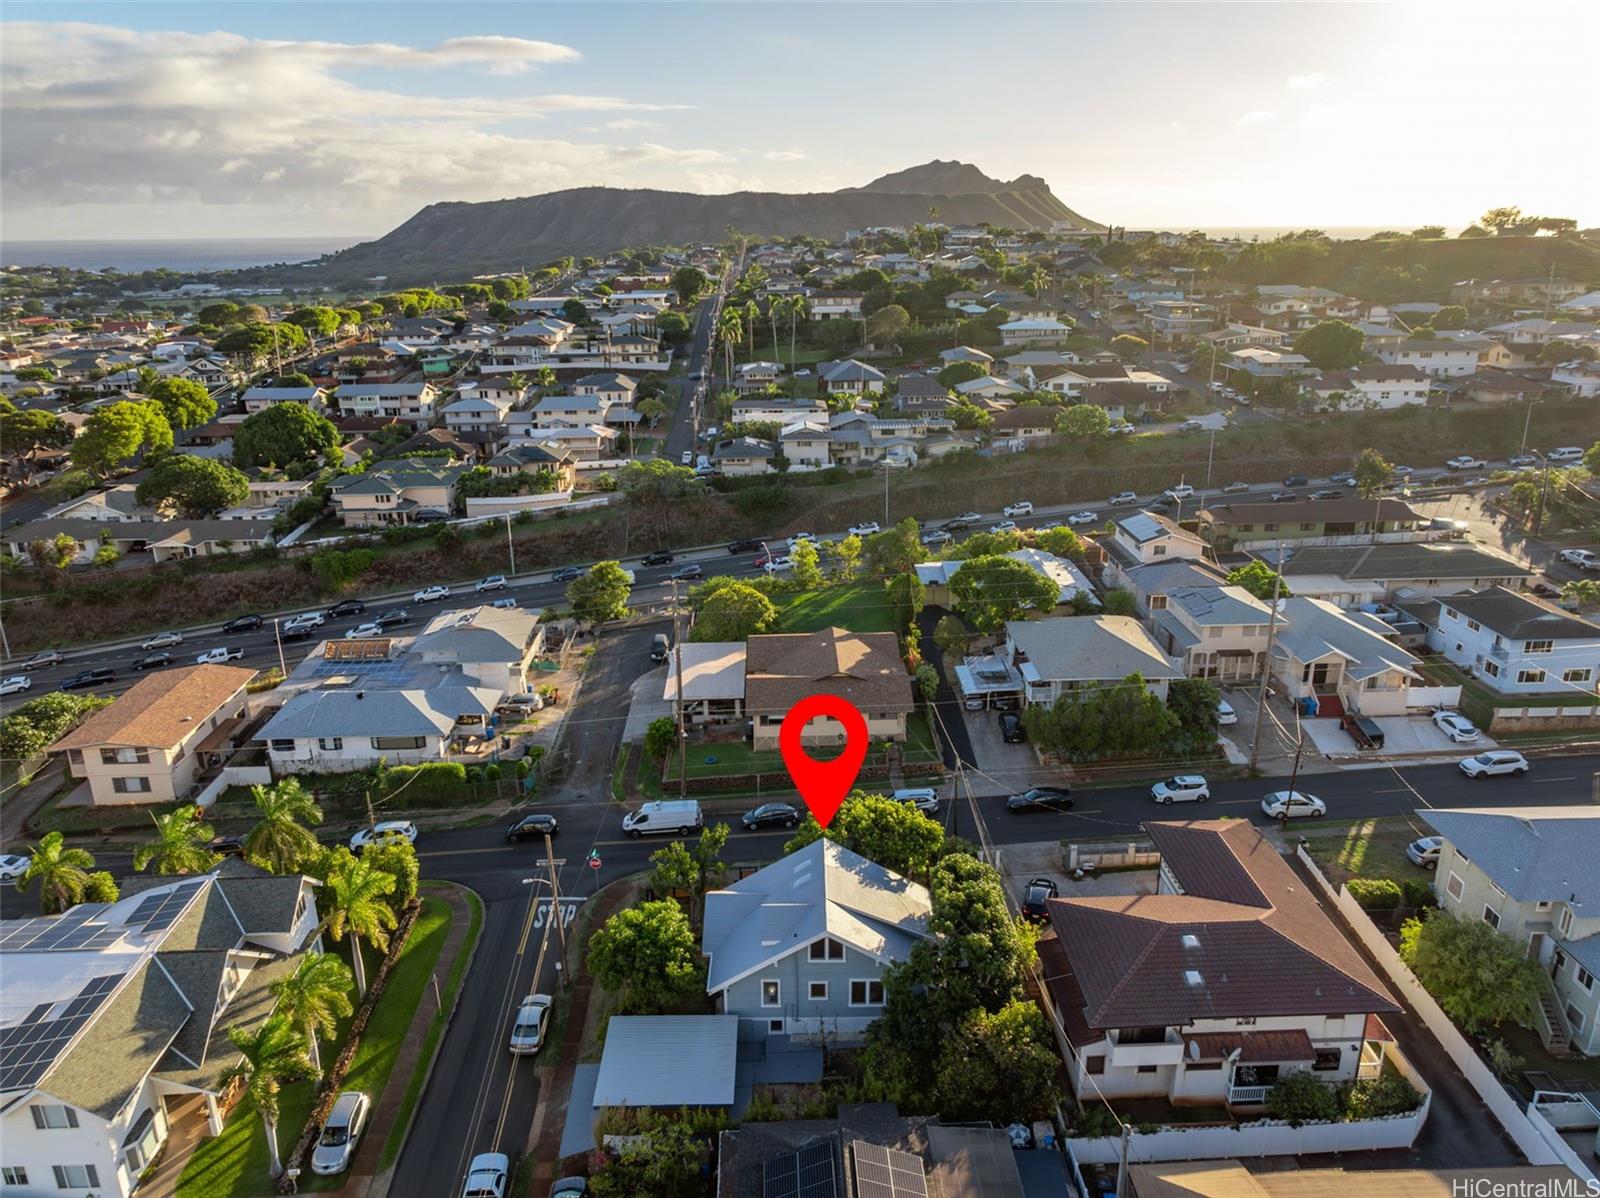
[[739, 757], [1373, 848], [1479, 701], [859, 606], [234, 1164]]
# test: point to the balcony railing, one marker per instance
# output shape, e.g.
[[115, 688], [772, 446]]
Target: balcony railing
[[1248, 1095]]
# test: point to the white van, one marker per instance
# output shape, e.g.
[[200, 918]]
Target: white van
[[1567, 453], [673, 816]]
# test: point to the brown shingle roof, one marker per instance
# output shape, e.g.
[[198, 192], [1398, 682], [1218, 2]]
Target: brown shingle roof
[[160, 710], [863, 667], [1289, 1044]]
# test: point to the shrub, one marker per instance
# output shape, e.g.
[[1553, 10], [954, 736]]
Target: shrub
[[437, 783], [1387, 1094], [1301, 1098], [1504, 1063], [491, 772], [1095, 1121], [1417, 893], [1375, 894]]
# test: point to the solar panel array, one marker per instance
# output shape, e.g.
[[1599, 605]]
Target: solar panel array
[[808, 1173], [376, 673], [28, 1049], [158, 912], [74, 930], [884, 1173]]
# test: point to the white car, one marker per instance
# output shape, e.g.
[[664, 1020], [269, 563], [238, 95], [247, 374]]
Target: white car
[[12, 867], [341, 1134], [527, 1033], [364, 630], [1123, 499], [939, 536], [162, 640], [1455, 725], [1292, 804], [1181, 788], [310, 619], [800, 538], [431, 594], [1226, 713], [1496, 761], [1465, 462], [1024, 508], [1190, 426], [15, 683], [1078, 519], [487, 1176], [219, 656], [1120, 429], [1005, 526], [1584, 559], [776, 564], [923, 798], [495, 582], [390, 831], [1181, 491], [686, 457], [1402, 471], [865, 529]]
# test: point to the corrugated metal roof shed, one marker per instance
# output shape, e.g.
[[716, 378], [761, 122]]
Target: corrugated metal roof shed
[[668, 1060]]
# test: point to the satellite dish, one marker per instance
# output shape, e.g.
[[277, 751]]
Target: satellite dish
[[1194, 1050]]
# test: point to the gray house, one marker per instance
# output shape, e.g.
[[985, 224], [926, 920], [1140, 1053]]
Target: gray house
[[800, 947]]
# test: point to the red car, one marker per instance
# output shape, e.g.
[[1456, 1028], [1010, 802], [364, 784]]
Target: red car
[[763, 558]]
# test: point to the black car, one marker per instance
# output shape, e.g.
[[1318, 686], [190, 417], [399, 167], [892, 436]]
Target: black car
[[84, 679], [297, 632], [395, 615], [1035, 895], [748, 545], [153, 661], [537, 824], [566, 574], [1041, 798], [660, 557], [228, 846], [429, 515], [243, 624], [770, 815], [692, 570], [1011, 728], [1296, 480], [346, 607]]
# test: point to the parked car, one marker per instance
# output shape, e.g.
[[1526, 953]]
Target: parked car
[[1296, 480], [220, 656], [227, 846], [1456, 726], [1022, 507], [1292, 804], [13, 867], [1181, 788], [686, 458], [429, 515], [566, 574], [1283, 496], [923, 798], [1496, 761], [798, 537], [1011, 728], [527, 1032], [657, 557], [1425, 850], [964, 520], [346, 607], [570, 1187], [1225, 713], [1565, 453], [153, 661], [1584, 559], [486, 1176], [301, 632], [162, 640], [1181, 491], [21, 682], [391, 831], [1040, 798], [1524, 459], [431, 594], [1402, 471], [1345, 478], [495, 582], [534, 824], [748, 545], [341, 1134], [395, 615], [505, 603], [310, 619], [1078, 519], [938, 536], [1364, 730], [1190, 426], [770, 815], [660, 646], [1327, 493], [1123, 499], [688, 571], [520, 704], [865, 529], [371, 628], [84, 679], [1036, 896], [244, 623], [1465, 462], [1120, 428]]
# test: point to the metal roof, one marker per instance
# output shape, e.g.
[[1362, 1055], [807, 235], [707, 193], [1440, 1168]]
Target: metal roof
[[668, 1061]]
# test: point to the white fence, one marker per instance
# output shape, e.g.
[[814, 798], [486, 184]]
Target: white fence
[[233, 775], [499, 505], [1501, 1105], [1434, 696], [1546, 713]]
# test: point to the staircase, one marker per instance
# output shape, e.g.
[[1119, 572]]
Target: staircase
[[1328, 706], [1552, 1026]]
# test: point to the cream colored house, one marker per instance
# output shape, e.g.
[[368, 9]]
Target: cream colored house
[[397, 494], [1214, 631], [863, 667], [1341, 659]]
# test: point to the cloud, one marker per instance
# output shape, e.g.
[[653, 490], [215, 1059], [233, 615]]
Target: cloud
[[783, 155], [1257, 116], [1307, 83], [96, 118], [622, 124]]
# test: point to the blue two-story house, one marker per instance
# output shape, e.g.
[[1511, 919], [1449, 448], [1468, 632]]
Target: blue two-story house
[[800, 947], [1515, 643]]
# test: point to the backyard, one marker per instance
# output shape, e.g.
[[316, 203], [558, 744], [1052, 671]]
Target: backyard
[[739, 758], [858, 606], [1478, 702]]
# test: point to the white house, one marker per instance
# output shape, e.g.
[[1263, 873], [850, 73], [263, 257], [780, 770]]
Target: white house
[[835, 305], [1578, 378], [476, 412], [1439, 358], [849, 377], [412, 403], [1344, 661], [1263, 363], [259, 399], [1062, 654], [1372, 387], [1516, 643], [1034, 332]]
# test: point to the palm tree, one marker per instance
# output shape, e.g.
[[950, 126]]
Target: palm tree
[[181, 846], [730, 327], [1037, 280], [775, 306], [278, 841], [356, 889], [62, 873], [268, 1057], [545, 377], [797, 312], [752, 314], [518, 381], [315, 997]]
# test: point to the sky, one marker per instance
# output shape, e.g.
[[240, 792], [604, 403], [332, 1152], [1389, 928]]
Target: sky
[[243, 119]]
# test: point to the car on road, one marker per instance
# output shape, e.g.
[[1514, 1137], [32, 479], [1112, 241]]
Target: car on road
[[389, 831], [153, 661], [1120, 429], [1004, 526], [1225, 713], [527, 1032], [504, 604], [1496, 761], [686, 458], [392, 617], [495, 582], [48, 657], [1401, 471], [431, 594], [247, 623], [1181, 788], [1078, 519], [534, 824], [302, 632], [17, 683], [1425, 850], [1455, 725], [486, 1176], [923, 798], [346, 607], [1123, 499], [1283, 496], [1190, 426], [13, 867], [1345, 478], [1181, 491], [341, 1134], [84, 679], [938, 536], [748, 545], [773, 564], [964, 520], [310, 619], [162, 640], [1036, 896], [865, 529], [1235, 488], [1565, 453], [220, 656], [566, 574], [1524, 459], [1465, 461], [227, 846], [1584, 559], [688, 570], [1296, 480], [1292, 804], [1011, 728], [1328, 493], [770, 815], [657, 557], [1040, 798], [800, 537], [1022, 507], [371, 628]]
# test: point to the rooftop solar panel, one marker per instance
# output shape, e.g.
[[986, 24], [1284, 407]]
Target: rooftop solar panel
[[28, 1049], [886, 1173], [808, 1173]]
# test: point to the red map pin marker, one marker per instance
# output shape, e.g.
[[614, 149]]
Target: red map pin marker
[[823, 784]]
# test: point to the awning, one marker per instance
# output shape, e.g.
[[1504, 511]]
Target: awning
[[1253, 1047]]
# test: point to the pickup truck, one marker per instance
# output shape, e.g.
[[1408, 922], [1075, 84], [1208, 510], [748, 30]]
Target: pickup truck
[[1465, 462], [219, 656]]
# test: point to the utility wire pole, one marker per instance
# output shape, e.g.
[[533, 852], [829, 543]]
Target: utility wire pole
[[555, 897], [677, 694], [1266, 664]]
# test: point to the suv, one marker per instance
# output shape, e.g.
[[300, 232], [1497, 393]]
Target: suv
[[535, 824], [658, 557], [1036, 897], [1363, 730], [1182, 788], [1011, 728], [660, 646], [1296, 480], [923, 798], [84, 679], [346, 607], [1122, 499]]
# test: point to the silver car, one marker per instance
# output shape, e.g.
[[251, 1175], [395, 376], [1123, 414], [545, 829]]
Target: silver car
[[341, 1134], [1496, 761], [527, 1033]]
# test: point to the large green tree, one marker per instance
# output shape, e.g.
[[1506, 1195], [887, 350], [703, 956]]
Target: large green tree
[[647, 956], [690, 283], [1331, 344], [1478, 976], [37, 724], [694, 869], [1084, 421], [194, 487], [181, 844], [998, 1068], [318, 322], [282, 435], [805, 567], [601, 594], [259, 339], [734, 612], [115, 434], [25, 429], [1258, 578], [1373, 474], [187, 404], [992, 589], [664, 1162], [1117, 719], [894, 550], [895, 835]]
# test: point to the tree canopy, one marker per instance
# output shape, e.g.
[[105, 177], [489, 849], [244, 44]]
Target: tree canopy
[[895, 835], [733, 611], [195, 487], [1084, 421], [647, 955], [282, 435], [1258, 578], [1479, 976], [1373, 474], [1331, 344], [992, 589], [115, 434], [601, 594], [690, 283]]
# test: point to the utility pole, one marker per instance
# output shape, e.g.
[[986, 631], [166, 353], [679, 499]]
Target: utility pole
[[677, 695], [1266, 664], [1526, 421], [511, 547], [555, 897], [282, 668]]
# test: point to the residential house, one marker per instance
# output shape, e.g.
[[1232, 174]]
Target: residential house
[[922, 393], [990, 392], [1179, 320], [1226, 980], [1260, 362], [154, 740], [1248, 526], [1217, 632], [743, 456], [1370, 387], [712, 675], [570, 410], [612, 387], [164, 540], [849, 377], [531, 459], [1237, 336], [584, 442], [1352, 575], [128, 1008], [1528, 872], [477, 412], [394, 494], [1025, 422], [116, 504], [777, 408], [1515, 643], [1062, 654], [1152, 585], [1143, 538], [965, 353], [1341, 661], [495, 388], [1496, 386], [834, 305], [800, 948], [807, 444], [491, 646], [1577, 378], [863, 667], [1437, 357], [259, 399], [751, 378], [415, 331], [410, 403], [1029, 308], [1034, 332]]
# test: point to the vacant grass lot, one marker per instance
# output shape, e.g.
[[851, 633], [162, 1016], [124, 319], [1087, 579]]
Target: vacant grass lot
[[859, 606], [1373, 848], [739, 757]]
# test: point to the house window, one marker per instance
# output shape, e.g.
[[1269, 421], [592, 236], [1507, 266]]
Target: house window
[[1269, 528], [1491, 669], [330, 744], [826, 949], [1575, 675], [1491, 917], [1566, 920], [1147, 1068], [131, 786], [1204, 1066], [1251, 527], [399, 742], [817, 991], [866, 992], [1542, 906], [1452, 614], [1094, 1065], [1158, 551], [1247, 1021], [282, 746], [771, 992], [1455, 888], [53, 1117], [1307, 526], [1538, 646], [124, 756], [13, 1175], [1584, 978], [76, 1177], [1530, 676], [775, 1026]]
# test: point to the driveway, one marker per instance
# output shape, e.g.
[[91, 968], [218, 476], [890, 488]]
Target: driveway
[[1004, 766], [646, 704], [1403, 737]]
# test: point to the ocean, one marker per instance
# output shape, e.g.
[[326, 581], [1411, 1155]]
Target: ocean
[[223, 253]]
